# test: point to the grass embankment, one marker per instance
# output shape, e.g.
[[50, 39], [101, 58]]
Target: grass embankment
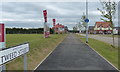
[[39, 48], [105, 49]]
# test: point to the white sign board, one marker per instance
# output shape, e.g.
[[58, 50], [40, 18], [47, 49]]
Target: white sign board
[[13, 52]]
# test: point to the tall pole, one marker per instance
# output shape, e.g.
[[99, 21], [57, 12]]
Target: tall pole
[[86, 23]]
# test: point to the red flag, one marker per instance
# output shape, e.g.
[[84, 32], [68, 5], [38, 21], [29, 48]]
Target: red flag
[[45, 15], [2, 33], [54, 22]]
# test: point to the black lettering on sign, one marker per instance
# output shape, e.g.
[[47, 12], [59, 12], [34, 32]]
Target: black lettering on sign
[[15, 54], [6, 57], [9, 56], [2, 59]]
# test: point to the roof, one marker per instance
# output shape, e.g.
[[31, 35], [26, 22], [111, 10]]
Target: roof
[[59, 26], [91, 27], [103, 24]]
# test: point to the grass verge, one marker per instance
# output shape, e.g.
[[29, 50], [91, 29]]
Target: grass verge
[[39, 48], [105, 49]]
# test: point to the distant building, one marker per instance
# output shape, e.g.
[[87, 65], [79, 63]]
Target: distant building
[[91, 29], [60, 28], [102, 28], [116, 30]]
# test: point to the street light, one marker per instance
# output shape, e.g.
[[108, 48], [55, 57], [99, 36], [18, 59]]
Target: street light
[[88, 21]]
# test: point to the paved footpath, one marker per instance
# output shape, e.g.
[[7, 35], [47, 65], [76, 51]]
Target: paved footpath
[[72, 54]]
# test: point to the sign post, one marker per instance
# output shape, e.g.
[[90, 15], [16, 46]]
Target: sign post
[[25, 63], [2, 43], [11, 53], [87, 20]]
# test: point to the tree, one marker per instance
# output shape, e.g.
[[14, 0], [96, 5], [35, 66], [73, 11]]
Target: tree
[[108, 13], [74, 28], [83, 21], [80, 27]]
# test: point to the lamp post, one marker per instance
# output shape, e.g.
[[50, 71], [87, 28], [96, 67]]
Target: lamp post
[[86, 23]]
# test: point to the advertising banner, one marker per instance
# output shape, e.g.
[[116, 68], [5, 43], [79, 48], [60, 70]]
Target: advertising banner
[[45, 15], [9, 54], [54, 22], [46, 25], [2, 35]]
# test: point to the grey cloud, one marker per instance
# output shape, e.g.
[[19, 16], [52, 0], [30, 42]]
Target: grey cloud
[[67, 13], [23, 24]]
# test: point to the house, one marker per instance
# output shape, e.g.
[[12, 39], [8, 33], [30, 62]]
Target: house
[[91, 29], [58, 28], [103, 28], [116, 30]]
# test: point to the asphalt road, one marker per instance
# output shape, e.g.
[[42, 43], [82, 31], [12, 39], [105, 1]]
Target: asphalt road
[[72, 54], [104, 39]]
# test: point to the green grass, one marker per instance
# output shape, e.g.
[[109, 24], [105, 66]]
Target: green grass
[[39, 48], [106, 50]]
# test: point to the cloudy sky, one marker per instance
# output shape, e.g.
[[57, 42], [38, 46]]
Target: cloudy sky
[[29, 14]]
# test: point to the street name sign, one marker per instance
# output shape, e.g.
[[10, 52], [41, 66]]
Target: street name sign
[[9, 54]]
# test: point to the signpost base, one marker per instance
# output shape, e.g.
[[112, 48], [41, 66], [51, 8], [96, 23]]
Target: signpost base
[[86, 41], [3, 68], [25, 62]]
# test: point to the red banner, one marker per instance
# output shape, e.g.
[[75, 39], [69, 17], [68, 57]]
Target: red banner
[[45, 15], [2, 33], [54, 22]]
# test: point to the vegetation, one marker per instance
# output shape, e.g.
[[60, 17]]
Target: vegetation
[[26, 31], [75, 29], [108, 13], [83, 21], [39, 48], [105, 49], [81, 24]]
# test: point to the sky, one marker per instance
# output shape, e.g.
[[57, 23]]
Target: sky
[[30, 14]]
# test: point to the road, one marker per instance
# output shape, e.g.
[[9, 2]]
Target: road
[[72, 54], [104, 39]]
